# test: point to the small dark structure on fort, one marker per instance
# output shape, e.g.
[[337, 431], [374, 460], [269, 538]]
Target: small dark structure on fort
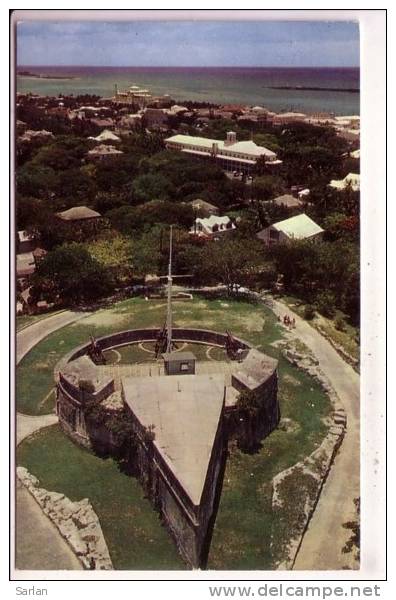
[[95, 353], [177, 419]]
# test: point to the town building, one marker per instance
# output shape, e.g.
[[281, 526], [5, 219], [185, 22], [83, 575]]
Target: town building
[[25, 265], [103, 152], [155, 118], [286, 201], [103, 123], [106, 136], [300, 227], [288, 117], [352, 181], [229, 154], [31, 135], [28, 255], [212, 227], [78, 214], [80, 223], [205, 208], [348, 121], [130, 121], [140, 97], [25, 242]]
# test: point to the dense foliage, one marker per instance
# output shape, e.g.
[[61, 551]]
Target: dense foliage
[[147, 188]]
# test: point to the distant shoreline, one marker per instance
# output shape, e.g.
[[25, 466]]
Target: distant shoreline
[[29, 75], [303, 88]]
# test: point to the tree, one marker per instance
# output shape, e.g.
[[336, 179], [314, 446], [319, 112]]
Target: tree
[[232, 261], [152, 186], [113, 252], [266, 187], [131, 220], [114, 174], [36, 180], [62, 153], [69, 273]]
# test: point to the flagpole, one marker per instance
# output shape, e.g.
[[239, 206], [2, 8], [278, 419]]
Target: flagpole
[[169, 313]]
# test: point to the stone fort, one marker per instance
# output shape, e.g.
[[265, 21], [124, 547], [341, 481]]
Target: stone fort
[[177, 415], [191, 409]]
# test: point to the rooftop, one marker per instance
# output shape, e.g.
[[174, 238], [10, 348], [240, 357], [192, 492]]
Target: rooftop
[[104, 150], [247, 147], [287, 200], [352, 179], [198, 203], [298, 227], [106, 135], [25, 263], [25, 236], [185, 411], [77, 213]]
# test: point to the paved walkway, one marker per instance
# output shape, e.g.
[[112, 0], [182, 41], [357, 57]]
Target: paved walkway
[[38, 543], [322, 544], [32, 335], [26, 425]]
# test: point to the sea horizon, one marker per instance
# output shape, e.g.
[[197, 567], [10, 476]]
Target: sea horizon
[[305, 89]]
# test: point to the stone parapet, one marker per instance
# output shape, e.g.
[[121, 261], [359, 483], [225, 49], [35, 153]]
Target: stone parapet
[[77, 523]]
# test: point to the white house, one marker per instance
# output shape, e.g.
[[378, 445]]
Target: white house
[[103, 152], [212, 227], [352, 180], [300, 227], [106, 136]]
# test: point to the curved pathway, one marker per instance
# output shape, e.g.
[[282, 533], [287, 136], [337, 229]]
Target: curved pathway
[[38, 543], [29, 336], [321, 547]]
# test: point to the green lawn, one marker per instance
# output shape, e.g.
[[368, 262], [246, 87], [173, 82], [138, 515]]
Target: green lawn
[[35, 372], [134, 535], [242, 533]]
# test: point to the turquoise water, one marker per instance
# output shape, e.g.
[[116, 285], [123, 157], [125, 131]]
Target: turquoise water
[[220, 85]]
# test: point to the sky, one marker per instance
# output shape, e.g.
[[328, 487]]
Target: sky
[[189, 43]]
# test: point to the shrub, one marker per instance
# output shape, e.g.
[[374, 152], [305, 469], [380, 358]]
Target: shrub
[[309, 312], [339, 324], [325, 304]]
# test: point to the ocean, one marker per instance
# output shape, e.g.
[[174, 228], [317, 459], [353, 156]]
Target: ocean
[[336, 90]]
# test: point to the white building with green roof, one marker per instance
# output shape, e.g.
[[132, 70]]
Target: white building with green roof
[[300, 227], [230, 154]]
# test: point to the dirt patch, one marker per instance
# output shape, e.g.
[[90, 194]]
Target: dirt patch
[[252, 322], [102, 319], [42, 366], [290, 379], [213, 320], [156, 306], [198, 323]]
